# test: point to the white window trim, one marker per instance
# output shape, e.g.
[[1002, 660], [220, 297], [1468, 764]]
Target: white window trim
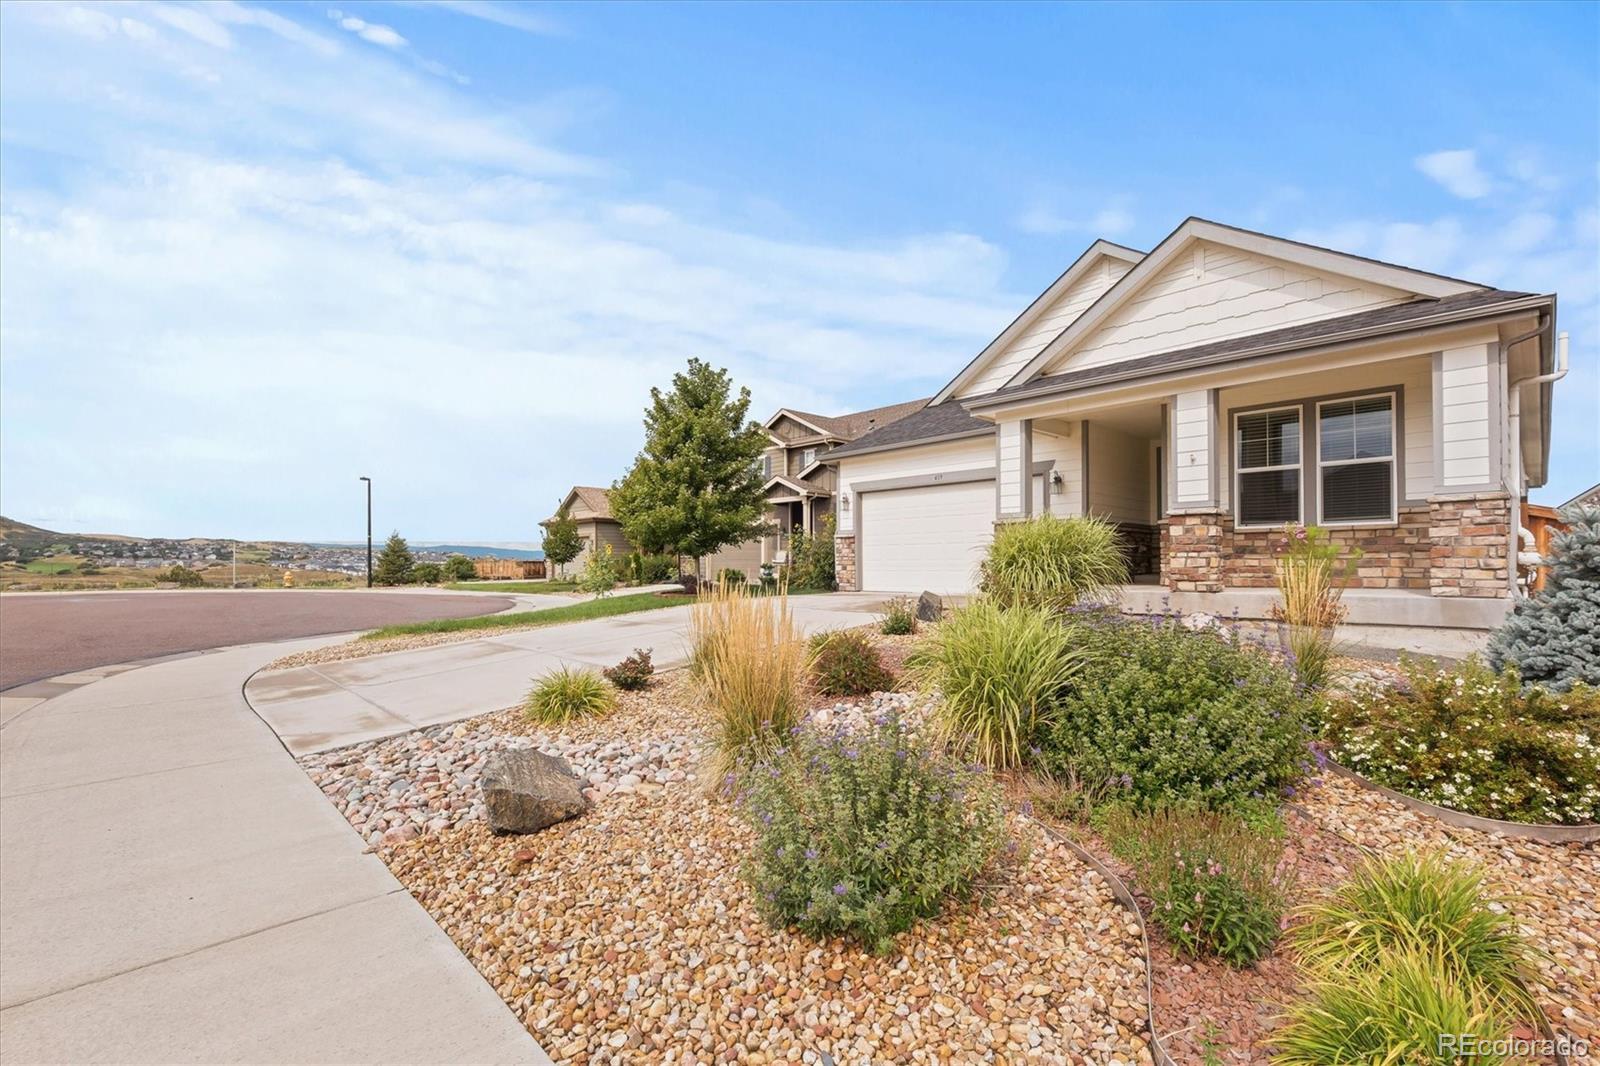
[[1393, 461], [1239, 470], [808, 457]]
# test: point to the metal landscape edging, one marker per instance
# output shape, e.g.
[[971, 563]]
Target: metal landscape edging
[[1158, 1051], [1544, 834]]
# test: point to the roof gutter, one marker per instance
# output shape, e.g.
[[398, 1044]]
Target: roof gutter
[[832, 458], [1492, 311]]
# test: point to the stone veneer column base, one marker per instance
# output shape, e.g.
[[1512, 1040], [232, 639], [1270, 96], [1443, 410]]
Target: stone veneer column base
[[844, 562], [1194, 552], [1470, 537]]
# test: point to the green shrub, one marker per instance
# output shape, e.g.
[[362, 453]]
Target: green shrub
[[811, 563], [1394, 1015], [732, 576], [998, 673], [1175, 716], [863, 834], [1472, 740], [1553, 636], [1052, 562], [395, 562], [632, 673], [1430, 906], [845, 663], [599, 575], [650, 569], [459, 568], [899, 617], [567, 694], [427, 574], [1216, 885], [182, 576]]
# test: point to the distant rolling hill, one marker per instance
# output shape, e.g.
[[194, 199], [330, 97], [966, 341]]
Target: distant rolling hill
[[36, 539]]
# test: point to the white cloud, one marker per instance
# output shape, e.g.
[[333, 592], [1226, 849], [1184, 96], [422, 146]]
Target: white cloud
[[1045, 220], [1457, 170], [519, 16], [369, 31]]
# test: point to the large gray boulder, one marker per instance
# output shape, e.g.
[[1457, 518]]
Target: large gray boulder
[[930, 608], [526, 791]]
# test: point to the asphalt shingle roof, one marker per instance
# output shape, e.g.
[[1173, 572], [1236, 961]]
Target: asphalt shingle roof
[[946, 419]]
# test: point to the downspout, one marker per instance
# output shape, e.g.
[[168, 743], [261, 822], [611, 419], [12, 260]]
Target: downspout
[[1515, 418]]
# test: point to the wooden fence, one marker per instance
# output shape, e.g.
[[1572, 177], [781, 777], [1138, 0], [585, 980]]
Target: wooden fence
[[490, 569]]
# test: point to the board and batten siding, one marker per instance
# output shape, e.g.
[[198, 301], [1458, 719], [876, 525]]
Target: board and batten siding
[[1215, 293], [975, 453], [1412, 377], [1048, 325]]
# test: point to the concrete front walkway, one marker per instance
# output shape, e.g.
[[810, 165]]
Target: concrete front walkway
[[314, 708], [174, 889]]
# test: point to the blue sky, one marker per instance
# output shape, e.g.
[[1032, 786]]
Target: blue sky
[[250, 251]]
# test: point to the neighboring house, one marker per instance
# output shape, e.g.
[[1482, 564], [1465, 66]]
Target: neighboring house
[[1589, 497], [1204, 394], [590, 507]]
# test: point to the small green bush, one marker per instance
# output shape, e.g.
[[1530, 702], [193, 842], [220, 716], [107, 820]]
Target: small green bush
[[599, 575], [998, 673], [899, 617], [863, 834], [811, 562], [1427, 904], [1052, 562], [1394, 1015], [845, 663], [182, 576], [1217, 886], [1173, 716], [732, 576], [632, 673], [459, 568], [1473, 740], [427, 574], [567, 694]]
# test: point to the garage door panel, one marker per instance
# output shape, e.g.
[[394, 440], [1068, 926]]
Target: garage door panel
[[930, 538]]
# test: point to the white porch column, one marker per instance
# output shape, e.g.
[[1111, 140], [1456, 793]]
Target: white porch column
[[1194, 449], [1013, 443], [805, 515], [1466, 413]]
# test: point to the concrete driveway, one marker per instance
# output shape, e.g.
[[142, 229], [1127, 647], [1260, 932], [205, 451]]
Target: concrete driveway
[[314, 708]]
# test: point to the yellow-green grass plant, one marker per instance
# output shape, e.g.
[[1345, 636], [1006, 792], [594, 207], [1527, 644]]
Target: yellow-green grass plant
[[1410, 1011], [1422, 902], [567, 694], [1311, 577], [750, 660], [1052, 562], [997, 674]]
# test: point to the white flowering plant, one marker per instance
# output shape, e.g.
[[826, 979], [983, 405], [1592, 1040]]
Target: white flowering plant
[[1471, 739]]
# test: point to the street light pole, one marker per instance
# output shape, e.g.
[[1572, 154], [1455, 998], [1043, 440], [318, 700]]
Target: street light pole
[[368, 480]]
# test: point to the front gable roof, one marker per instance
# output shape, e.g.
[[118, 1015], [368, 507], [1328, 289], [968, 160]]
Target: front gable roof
[[1255, 272], [1102, 255]]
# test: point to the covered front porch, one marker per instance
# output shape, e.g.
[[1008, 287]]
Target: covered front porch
[[791, 507], [1392, 451]]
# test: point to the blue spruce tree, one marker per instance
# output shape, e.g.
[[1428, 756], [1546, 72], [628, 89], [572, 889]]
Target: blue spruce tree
[[1553, 636]]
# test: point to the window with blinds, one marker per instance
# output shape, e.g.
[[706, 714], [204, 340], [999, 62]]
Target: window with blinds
[[1355, 459], [1267, 482]]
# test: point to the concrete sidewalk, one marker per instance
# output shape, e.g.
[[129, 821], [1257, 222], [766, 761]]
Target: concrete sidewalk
[[174, 889], [314, 708]]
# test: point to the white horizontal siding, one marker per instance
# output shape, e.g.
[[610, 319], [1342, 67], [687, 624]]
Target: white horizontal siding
[[973, 454], [1214, 293], [1067, 451], [1049, 323], [1011, 457], [1119, 475], [1193, 444], [1467, 417]]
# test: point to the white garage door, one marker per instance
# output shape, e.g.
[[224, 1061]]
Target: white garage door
[[925, 539]]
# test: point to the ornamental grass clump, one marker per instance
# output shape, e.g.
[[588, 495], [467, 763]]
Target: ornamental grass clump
[[1164, 716], [1217, 886], [1311, 576], [1052, 562], [569, 694], [861, 834], [1408, 950], [997, 674], [1476, 741], [845, 663], [750, 661]]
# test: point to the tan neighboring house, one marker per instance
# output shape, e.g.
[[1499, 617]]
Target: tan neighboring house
[[590, 507], [1205, 393]]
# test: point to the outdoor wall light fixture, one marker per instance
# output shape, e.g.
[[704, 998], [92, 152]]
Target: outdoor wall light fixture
[[1057, 484]]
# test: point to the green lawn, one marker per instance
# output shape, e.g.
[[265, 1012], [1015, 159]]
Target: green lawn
[[578, 612], [513, 586]]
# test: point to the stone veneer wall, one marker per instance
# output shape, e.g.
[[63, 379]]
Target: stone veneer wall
[[1141, 547], [1453, 546], [844, 563], [1471, 540]]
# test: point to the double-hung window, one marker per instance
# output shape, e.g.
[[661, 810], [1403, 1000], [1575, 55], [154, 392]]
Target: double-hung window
[[1267, 482], [808, 457], [1356, 459]]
